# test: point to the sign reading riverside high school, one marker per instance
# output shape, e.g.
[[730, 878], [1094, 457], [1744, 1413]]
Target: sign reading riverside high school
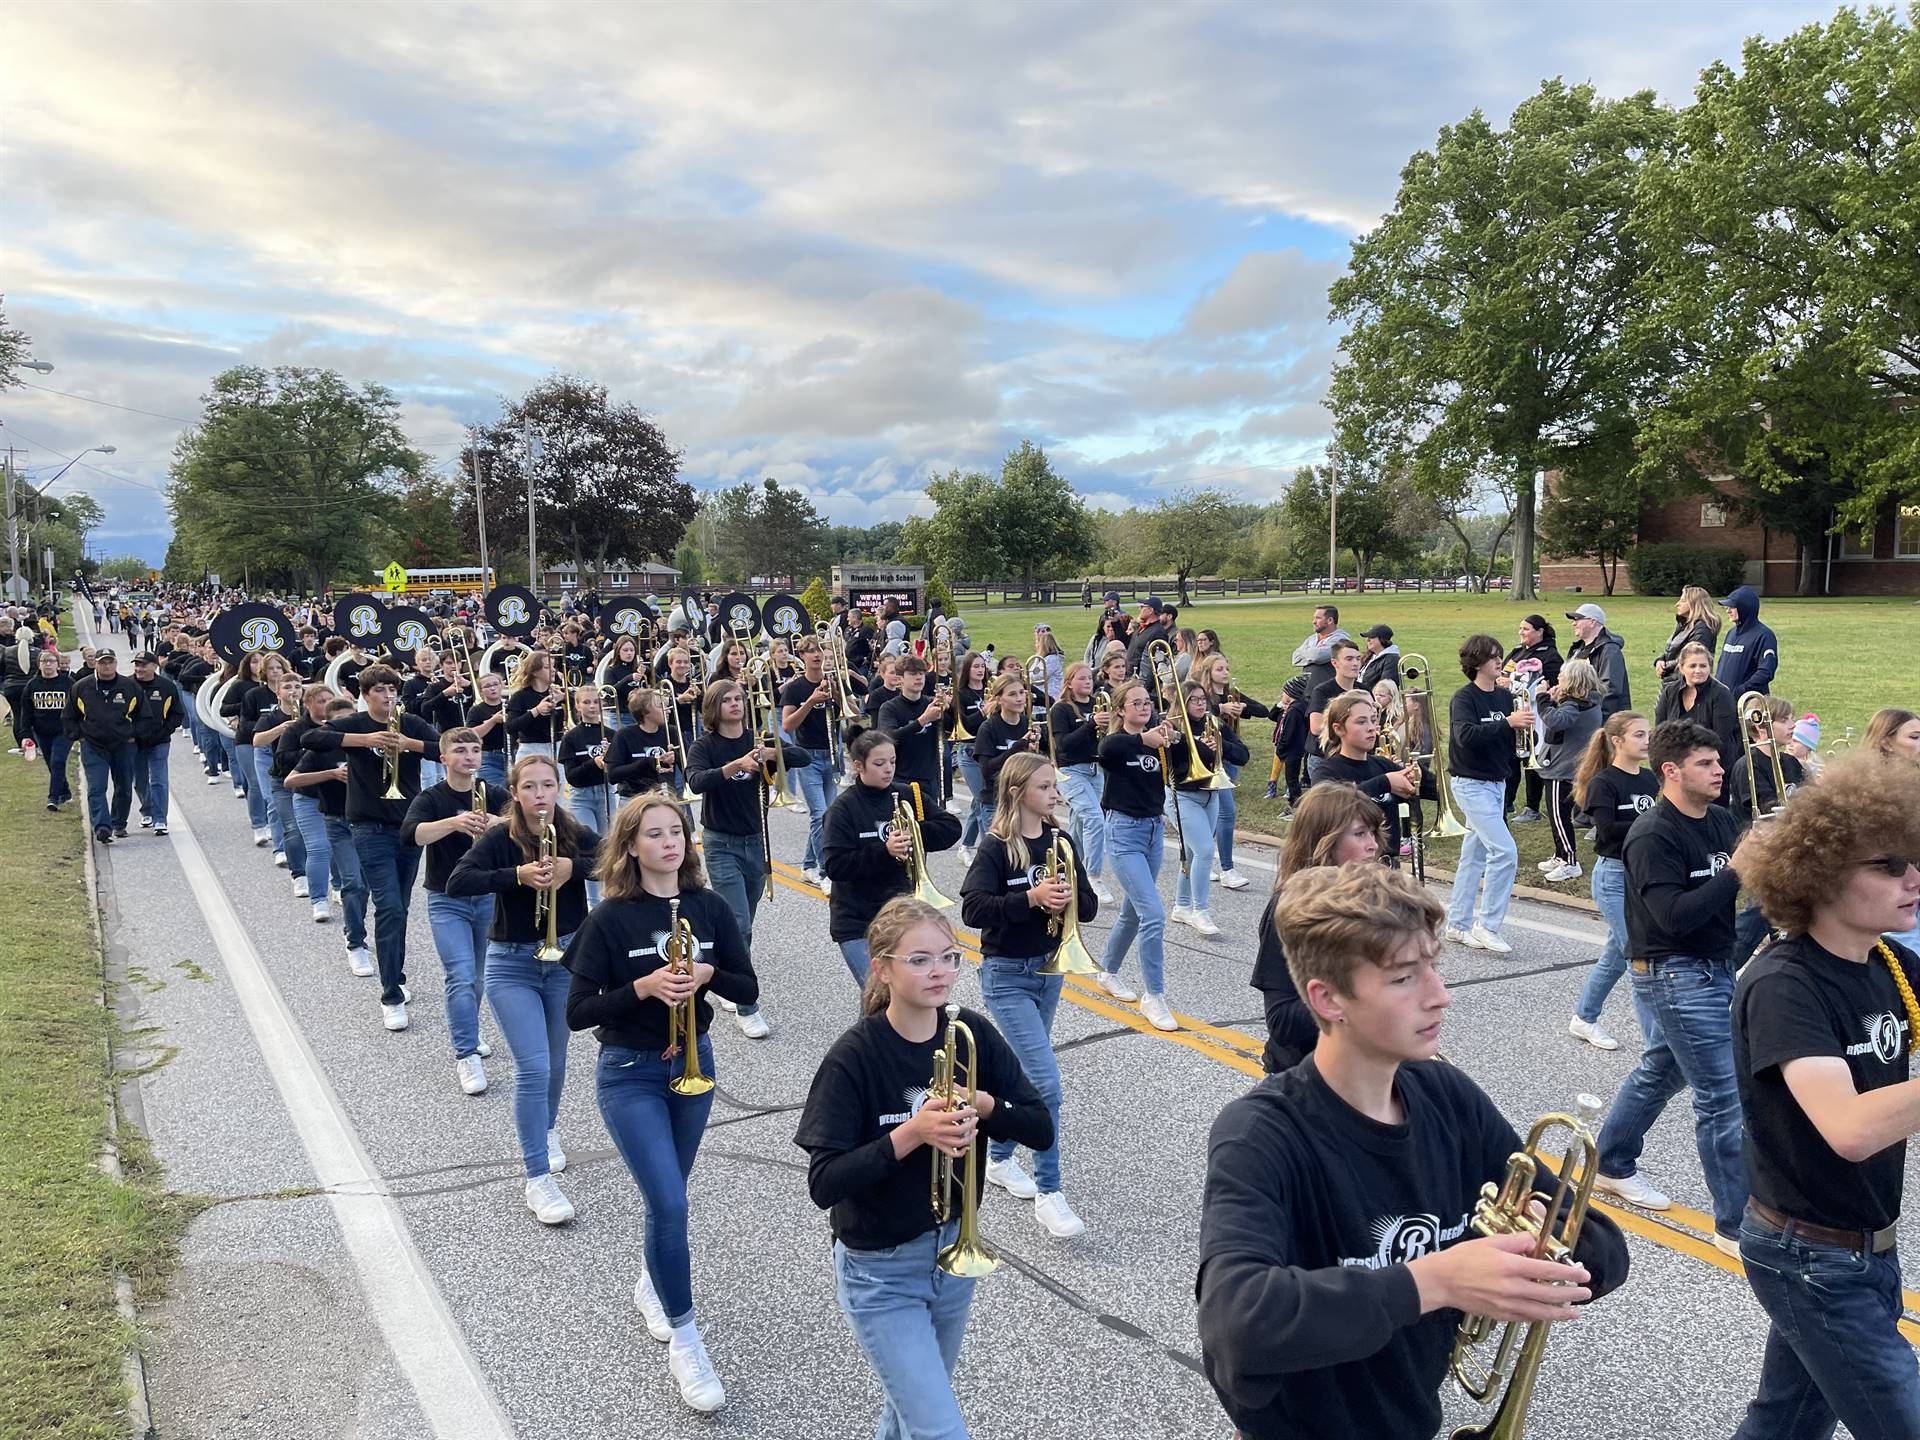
[[869, 587]]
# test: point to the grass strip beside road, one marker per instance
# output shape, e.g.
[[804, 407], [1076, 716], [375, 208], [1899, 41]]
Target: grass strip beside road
[[65, 1226]]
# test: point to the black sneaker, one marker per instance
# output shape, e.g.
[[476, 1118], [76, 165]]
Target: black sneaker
[[103, 835], [119, 832], [52, 806]]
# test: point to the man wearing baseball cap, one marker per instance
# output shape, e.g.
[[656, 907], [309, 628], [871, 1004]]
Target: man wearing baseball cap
[[160, 714], [1383, 657], [1151, 628], [100, 715], [1602, 649]]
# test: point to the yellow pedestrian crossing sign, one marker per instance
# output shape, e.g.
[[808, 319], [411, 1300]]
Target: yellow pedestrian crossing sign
[[395, 576]]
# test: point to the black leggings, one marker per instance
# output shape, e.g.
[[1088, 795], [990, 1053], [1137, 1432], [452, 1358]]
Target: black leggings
[[1560, 811], [1533, 786]]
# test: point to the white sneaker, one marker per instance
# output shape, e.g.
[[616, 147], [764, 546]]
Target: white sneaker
[[1011, 1177], [1056, 1217], [1154, 1007], [1101, 893], [261, 834], [1179, 915], [1562, 873], [360, 961], [1490, 940], [484, 1051], [1593, 1032], [1214, 875], [556, 1157], [1633, 1190], [406, 994], [240, 792], [810, 875], [548, 1204], [1462, 937], [1233, 880], [1552, 862], [826, 886], [1202, 923], [300, 886], [279, 859], [215, 779], [473, 1075], [687, 1359], [321, 913], [727, 1005], [753, 1026], [1117, 987], [966, 854], [651, 1310], [394, 1016], [1727, 1244]]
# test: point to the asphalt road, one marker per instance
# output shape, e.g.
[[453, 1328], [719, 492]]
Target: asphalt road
[[370, 1269]]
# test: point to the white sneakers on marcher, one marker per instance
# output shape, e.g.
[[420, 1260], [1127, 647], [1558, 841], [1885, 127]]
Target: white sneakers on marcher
[[548, 1203], [360, 961], [1179, 915], [687, 1359], [321, 914], [261, 834], [394, 1017], [651, 1310], [1012, 1177], [1560, 874], [1490, 940], [473, 1075], [753, 1026], [1118, 988], [1233, 880], [1159, 1014], [1201, 923], [556, 1157], [1100, 892], [1632, 1189], [300, 887], [1593, 1032], [279, 856], [1056, 1217]]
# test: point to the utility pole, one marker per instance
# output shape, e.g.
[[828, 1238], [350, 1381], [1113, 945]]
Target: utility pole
[[1333, 524], [480, 511], [13, 527], [533, 571]]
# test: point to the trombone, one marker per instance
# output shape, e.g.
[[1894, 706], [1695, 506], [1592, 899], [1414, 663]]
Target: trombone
[[1070, 956], [969, 1256], [1167, 681], [1419, 729], [676, 738], [546, 909], [1757, 719], [919, 881], [683, 1029], [762, 699]]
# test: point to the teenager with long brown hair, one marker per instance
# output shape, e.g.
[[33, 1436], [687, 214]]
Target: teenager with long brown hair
[[1613, 788]]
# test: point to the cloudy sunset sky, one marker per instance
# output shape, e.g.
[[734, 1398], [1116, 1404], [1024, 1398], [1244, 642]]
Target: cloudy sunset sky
[[844, 245]]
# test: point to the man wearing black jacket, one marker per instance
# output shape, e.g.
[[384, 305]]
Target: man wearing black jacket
[[161, 713], [1152, 627], [100, 715]]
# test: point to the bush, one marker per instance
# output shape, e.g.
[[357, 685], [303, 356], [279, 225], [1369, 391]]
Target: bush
[[819, 604], [1667, 569], [936, 589]]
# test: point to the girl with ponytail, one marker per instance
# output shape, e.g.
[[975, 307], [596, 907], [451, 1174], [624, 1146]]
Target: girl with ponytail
[[1614, 787]]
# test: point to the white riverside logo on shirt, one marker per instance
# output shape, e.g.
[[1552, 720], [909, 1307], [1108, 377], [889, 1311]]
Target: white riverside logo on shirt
[[1716, 862], [915, 1096], [1639, 804], [1400, 1238], [1148, 762], [1883, 1040]]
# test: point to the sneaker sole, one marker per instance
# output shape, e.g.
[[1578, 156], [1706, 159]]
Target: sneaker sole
[[1665, 1203]]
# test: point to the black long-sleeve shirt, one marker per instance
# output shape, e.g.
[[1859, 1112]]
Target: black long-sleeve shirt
[[993, 898], [443, 802], [1310, 1322], [1615, 799], [1076, 739], [1680, 888], [577, 749], [491, 867], [528, 728], [916, 746], [331, 794], [640, 759], [623, 940], [1291, 1032], [102, 714], [1135, 784], [1369, 777], [993, 742], [853, 841], [730, 804], [366, 768], [1479, 739], [44, 702], [871, 1083]]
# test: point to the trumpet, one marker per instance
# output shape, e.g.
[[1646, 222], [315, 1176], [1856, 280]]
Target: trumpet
[[1843, 744], [1070, 956], [919, 881], [479, 806], [546, 907], [968, 1256], [683, 1029], [391, 758], [1507, 1209]]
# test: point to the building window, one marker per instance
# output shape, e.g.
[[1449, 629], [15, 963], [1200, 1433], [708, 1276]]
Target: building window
[[618, 578], [1906, 533], [1856, 544], [1713, 515]]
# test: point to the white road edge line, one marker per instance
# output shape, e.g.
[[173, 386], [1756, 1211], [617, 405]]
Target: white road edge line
[[419, 1329]]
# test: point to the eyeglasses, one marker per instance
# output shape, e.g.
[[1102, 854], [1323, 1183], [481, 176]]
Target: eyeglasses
[[920, 962], [1894, 867]]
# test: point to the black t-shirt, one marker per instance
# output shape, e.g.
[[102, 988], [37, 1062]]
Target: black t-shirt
[[1615, 799], [993, 897], [730, 804], [578, 747], [366, 768], [873, 1081], [1680, 887], [528, 728], [1291, 1033], [622, 940], [639, 759], [1076, 740], [1325, 694], [1369, 777], [495, 739], [813, 730], [443, 802], [854, 854], [1740, 793], [916, 746], [1795, 1000], [331, 794]]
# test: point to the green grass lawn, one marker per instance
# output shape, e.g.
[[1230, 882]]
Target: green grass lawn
[[65, 1227], [1834, 657]]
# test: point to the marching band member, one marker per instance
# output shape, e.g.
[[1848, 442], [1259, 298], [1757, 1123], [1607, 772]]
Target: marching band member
[[1135, 800], [528, 995], [650, 876], [882, 689], [1824, 1021], [318, 781], [258, 692], [1199, 815], [269, 727], [1004, 731], [916, 719], [870, 1163], [1613, 786], [1008, 899], [583, 759], [1749, 790], [535, 709], [1352, 728], [1571, 718], [969, 701], [623, 673], [1481, 721], [1230, 708], [806, 704], [1077, 722], [488, 720], [443, 821], [1333, 1260], [642, 756], [1539, 653], [865, 854]]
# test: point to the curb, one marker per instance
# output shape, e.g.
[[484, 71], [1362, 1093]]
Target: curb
[[1535, 893]]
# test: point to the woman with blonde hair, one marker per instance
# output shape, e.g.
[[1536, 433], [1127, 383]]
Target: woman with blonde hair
[[1569, 726], [1693, 694], [1893, 732], [1614, 787], [1696, 621], [536, 716]]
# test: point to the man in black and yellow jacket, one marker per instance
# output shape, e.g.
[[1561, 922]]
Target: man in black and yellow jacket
[[161, 712], [101, 713]]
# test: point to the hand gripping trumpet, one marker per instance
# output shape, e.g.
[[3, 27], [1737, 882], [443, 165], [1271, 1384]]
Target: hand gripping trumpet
[[1070, 956], [969, 1255], [683, 1027], [546, 906]]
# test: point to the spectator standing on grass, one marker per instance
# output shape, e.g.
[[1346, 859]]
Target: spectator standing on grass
[[1695, 622], [1383, 656], [1750, 656], [1569, 725], [1314, 655], [1153, 626], [1603, 650]]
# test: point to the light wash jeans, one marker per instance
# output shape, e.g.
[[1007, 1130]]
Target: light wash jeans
[[432, 772], [281, 800], [1685, 1006], [1199, 818], [658, 1134], [737, 871], [1134, 850], [1227, 819], [1081, 785], [529, 1002], [975, 826], [332, 862], [592, 805], [257, 808], [814, 780], [262, 785], [859, 959], [908, 1316], [236, 766], [1488, 857], [1022, 1003], [493, 767], [1609, 887], [460, 924]]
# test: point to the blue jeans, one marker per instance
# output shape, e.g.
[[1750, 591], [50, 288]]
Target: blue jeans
[[1833, 1347], [460, 924], [331, 858], [389, 868], [529, 1000], [1488, 855], [815, 781], [858, 958], [974, 827], [1226, 820], [102, 767], [432, 772], [1022, 1003], [150, 780], [658, 1134], [1134, 848], [249, 758], [276, 820], [54, 749], [1081, 785], [1199, 815], [281, 799], [1609, 887], [493, 766], [908, 1316], [590, 805], [236, 770], [737, 871], [1685, 1006], [1750, 930]]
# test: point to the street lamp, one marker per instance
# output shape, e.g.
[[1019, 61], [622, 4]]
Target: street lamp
[[40, 365]]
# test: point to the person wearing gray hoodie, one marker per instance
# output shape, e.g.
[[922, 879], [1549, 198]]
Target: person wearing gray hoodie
[[1750, 655]]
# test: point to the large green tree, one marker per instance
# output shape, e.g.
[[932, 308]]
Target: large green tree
[[286, 472], [421, 527], [1485, 311], [1595, 507], [763, 529], [1359, 505], [1191, 533], [1026, 522], [13, 349]]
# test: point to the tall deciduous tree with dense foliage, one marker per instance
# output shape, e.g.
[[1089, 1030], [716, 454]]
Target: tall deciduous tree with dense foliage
[[1486, 310], [1028, 522], [1366, 503], [1191, 533], [764, 529], [286, 472], [1594, 508], [13, 350]]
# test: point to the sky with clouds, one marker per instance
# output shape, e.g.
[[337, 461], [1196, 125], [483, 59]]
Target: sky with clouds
[[844, 245]]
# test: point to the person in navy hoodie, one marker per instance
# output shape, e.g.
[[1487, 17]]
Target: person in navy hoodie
[[1750, 655]]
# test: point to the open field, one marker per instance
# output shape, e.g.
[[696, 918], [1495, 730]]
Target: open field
[[1833, 655]]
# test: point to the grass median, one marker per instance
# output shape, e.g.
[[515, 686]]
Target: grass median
[[66, 1228]]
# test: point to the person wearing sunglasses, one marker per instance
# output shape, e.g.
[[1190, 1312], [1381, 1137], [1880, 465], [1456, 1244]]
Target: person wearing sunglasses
[[1824, 1023]]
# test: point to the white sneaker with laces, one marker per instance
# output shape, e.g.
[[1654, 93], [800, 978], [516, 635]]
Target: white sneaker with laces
[[261, 834], [548, 1204], [360, 961], [1214, 875], [1202, 923], [556, 1157], [1233, 880], [1632, 1189], [826, 886], [279, 857], [485, 1051], [215, 779], [753, 1026], [1158, 1014], [1056, 1217], [1552, 862], [1101, 893], [1593, 1032], [687, 1359], [966, 854], [727, 1005], [321, 913], [300, 886], [473, 1075], [1462, 937], [1179, 915], [1562, 873], [1012, 1177], [651, 1310], [240, 793], [1490, 940], [394, 1017], [1118, 988]]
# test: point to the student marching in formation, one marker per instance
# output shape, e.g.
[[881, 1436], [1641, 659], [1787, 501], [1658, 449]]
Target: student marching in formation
[[655, 915], [1352, 728], [871, 1129], [270, 727], [1006, 730], [526, 989], [318, 781], [1017, 908], [868, 858], [642, 756], [487, 718], [1078, 721], [1335, 1258], [1135, 756], [583, 760], [536, 712], [1481, 722], [1230, 708], [444, 820], [805, 717], [303, 819], [916, 720], [1199, 813], [1614, 787]]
